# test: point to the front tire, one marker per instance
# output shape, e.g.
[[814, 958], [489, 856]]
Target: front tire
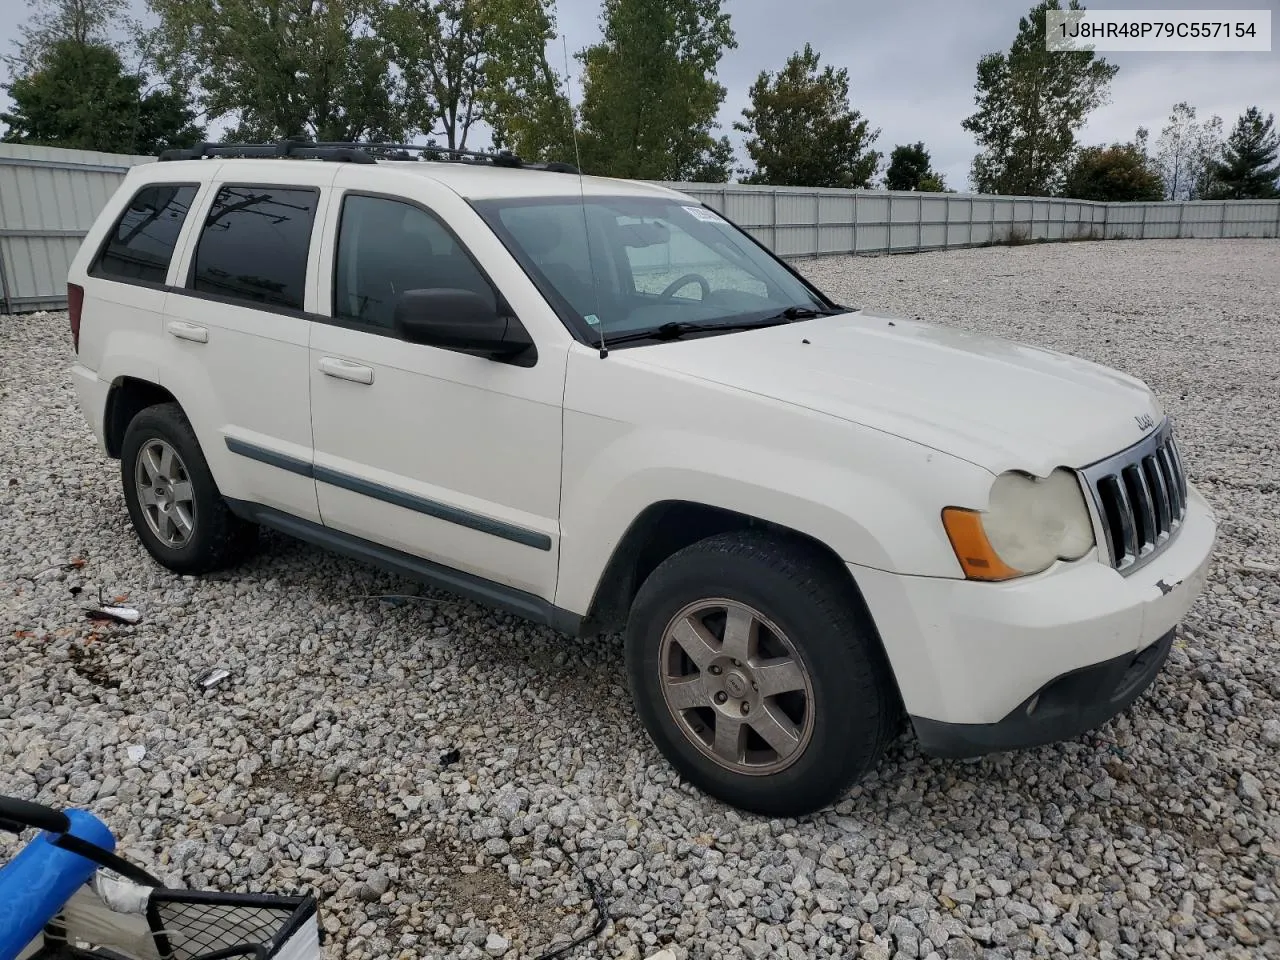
[[173, 500], [758, 674]]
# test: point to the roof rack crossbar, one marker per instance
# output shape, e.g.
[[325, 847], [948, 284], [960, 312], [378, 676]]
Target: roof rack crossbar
[[355, 152]]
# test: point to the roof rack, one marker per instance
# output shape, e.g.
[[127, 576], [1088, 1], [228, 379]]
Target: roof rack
[[354, 152]]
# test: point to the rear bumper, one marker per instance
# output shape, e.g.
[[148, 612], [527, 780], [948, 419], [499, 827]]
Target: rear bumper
[[91, 393], [1065, 707]]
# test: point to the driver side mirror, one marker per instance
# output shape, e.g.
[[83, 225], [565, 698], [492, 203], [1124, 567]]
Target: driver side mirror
[[465, 322]]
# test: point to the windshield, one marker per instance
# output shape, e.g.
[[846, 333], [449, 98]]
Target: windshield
[[649, 261]]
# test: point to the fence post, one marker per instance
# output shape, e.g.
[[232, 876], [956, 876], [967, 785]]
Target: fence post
[[855, 222], [773, 229], [888, 235], [817, 223], [4, 284], [1277, 233], [920, 223], [1222, 225], [970, 243], [1182, 208]]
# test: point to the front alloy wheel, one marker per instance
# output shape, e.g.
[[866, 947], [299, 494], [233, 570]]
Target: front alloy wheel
[[736, 686], [757, 672]]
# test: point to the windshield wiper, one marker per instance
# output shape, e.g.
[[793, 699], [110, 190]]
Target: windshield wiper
[[677, 329], [804, 313]]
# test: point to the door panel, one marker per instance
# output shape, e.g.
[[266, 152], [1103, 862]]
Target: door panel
[[239, 336], [446, 456], [443, 457]]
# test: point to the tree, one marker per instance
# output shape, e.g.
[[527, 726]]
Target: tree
[[82, 98], [466, 61], [525, 100], [909, 170], [801, 131], [1187, 153], [1249, 169], [650, 96], [280, 68], [1120, 172], [1030, 103], [933, 183], [84, 22]]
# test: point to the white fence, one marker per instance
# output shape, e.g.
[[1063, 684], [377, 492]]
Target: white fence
[[49, 199], [804, 222]]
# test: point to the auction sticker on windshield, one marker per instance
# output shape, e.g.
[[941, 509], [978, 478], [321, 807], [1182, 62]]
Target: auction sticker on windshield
[[702, 213]]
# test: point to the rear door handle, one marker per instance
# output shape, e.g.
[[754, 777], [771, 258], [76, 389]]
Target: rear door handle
[[188, 331], [346, 370]]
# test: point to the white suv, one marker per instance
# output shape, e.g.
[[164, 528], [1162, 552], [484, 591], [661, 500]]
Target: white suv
[[601, 406]]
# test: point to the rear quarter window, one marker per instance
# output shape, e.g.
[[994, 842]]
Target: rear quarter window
[[254, 245], [142, 241]]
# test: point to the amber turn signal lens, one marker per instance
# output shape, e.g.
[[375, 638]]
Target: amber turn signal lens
[[977, 558]]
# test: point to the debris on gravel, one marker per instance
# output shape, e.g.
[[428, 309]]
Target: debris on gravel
[[446, 777]]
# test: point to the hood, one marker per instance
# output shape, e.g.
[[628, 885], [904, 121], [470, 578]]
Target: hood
[[993, 402]]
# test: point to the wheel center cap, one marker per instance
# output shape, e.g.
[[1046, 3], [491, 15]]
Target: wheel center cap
[[736, 685]]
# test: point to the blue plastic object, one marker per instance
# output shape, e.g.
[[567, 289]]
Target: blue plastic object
[[36, 883]]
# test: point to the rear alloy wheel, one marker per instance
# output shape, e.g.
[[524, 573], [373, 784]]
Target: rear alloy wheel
[[757, 672], [164, 493], [174, 503]]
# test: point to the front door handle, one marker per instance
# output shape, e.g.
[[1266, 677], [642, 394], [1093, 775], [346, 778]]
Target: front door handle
[[188, 331], [346, 370]]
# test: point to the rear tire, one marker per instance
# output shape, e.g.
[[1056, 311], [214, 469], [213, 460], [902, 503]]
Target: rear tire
[[173, 501], [807, 636]]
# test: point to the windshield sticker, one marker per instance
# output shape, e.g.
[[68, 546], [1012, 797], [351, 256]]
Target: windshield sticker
[[702, 213], [592, 319]]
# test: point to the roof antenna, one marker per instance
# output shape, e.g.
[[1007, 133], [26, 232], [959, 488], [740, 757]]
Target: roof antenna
[[582, 193]]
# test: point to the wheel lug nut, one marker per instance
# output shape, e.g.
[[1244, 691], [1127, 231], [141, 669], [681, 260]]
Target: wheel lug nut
[[715, 669], [746, 708], [721, 697]]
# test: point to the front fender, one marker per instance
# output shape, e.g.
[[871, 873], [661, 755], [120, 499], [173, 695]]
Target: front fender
[[879, 508]]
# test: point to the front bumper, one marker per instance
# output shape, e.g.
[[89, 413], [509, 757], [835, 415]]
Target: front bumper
[[1064, 708], [970, 657]]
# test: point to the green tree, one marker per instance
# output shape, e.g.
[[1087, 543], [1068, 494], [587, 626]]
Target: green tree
[[82, 98], [525, 99], [933, 183], [1249, 169], [50, 22], [279, 68], [1120, 172], [909, 169], [650, 96], [467, 61], [801, 131], [1030, 103]]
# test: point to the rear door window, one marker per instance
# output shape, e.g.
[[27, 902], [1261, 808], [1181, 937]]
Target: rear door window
[[142, 241], [254, 245]]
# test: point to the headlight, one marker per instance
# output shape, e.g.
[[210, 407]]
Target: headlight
[[1028, 524]]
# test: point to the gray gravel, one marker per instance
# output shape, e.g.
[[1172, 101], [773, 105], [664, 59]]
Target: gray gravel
[[321, 762]]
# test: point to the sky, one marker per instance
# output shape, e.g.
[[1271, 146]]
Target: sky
[[912, 65]]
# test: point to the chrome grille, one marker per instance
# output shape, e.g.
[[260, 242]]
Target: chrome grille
[[1140, 496]]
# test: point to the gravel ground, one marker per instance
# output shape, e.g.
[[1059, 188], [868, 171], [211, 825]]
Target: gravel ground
[[440, 773]]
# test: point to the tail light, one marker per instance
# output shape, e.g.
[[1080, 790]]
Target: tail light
[[75, 301]]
